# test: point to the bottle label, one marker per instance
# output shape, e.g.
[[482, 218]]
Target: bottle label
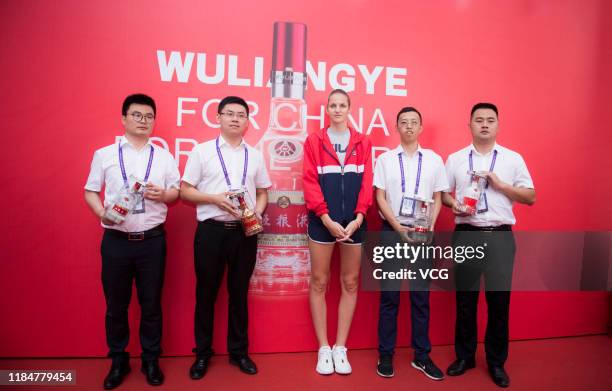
[[120, 209], [251, 225]]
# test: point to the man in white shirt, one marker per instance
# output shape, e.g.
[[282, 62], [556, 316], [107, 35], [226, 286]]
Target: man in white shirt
[[490, 225], [215, 170], [134, 249], [401, 176]]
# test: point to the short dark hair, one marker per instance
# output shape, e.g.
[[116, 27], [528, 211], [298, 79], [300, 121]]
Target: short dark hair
[[408, 109], [483, 105], [233, 100], [339, 91], [139, 99]]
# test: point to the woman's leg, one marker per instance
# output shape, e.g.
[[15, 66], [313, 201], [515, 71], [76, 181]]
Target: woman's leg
[[320, 259], [350, 263]]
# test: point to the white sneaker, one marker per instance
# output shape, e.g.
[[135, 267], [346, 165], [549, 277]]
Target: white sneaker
[[341, 363], [325, 364]]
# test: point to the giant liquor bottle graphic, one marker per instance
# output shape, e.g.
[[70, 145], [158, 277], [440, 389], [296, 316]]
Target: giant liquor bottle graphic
[[283, 261]]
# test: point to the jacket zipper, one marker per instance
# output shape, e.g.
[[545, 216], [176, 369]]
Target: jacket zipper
[[341, 172], [342, 186]]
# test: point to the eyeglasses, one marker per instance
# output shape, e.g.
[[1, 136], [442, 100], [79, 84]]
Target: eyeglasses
[[231, 114], [138, 116], [413, 123]]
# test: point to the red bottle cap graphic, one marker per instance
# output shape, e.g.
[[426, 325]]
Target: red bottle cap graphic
[[289, 50]]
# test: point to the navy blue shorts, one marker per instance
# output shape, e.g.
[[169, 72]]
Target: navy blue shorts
[[318, 233]]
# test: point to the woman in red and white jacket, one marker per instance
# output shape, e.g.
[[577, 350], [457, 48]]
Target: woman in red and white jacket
[[338, 192]]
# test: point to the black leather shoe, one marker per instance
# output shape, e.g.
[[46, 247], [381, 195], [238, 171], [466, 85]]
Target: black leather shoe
[[155, 376], [117, 373], [199, 367], [499, 376], [458, 367], [245, 364]]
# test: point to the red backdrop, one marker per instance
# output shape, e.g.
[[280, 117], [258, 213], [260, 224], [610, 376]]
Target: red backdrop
[[67, 66]]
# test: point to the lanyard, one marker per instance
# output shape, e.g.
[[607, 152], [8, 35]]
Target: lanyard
[[418, 177], [122, 165], [490, 168], [246, 165]]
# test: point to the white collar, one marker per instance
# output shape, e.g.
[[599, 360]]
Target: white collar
[[124, 141], [223, 142], [399, 149], [496, 148]]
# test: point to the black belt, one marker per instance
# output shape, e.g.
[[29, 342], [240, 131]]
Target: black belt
[[234, 224], [138, 236], [470, 227]]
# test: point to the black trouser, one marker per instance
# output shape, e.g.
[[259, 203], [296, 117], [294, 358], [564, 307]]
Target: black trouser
[[216, 246], [123, 261], [390, 301], [497, 270]]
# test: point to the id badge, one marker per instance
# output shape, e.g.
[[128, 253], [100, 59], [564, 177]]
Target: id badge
[[407, 206], [139, 203], [483, 204]]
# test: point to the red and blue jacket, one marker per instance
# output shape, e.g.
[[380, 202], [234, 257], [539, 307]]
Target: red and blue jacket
[[341, 191]]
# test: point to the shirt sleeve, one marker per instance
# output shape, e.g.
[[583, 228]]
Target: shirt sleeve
[[173, 177], [450, 174], [193, 168], [95, 180], [366, 194], [522, 178], [379, 173], [310, 177], [441, 181], [262, 179]]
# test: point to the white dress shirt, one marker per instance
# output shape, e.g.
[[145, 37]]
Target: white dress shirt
[[509, 167], [204, 172], [106, 172], [387, 175]]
